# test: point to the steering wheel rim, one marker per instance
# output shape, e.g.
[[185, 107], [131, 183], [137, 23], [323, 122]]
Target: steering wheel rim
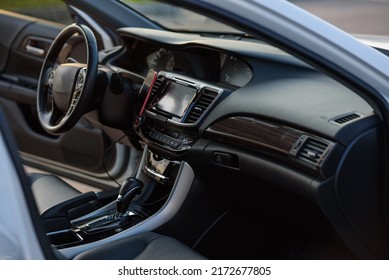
[[65, 91]]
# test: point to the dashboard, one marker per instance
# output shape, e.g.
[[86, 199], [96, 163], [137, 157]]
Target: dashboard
[[241, 93]]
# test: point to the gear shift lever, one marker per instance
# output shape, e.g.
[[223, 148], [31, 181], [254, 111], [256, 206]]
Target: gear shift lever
[[128, 190], [115, 221]]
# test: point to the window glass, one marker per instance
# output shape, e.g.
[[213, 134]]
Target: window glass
[[53, 10], [354, 16], [368, 17]]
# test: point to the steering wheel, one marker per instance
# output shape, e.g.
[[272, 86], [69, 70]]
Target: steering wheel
[[65, 91]]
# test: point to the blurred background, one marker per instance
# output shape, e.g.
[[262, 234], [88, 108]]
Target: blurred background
[[353, 16]]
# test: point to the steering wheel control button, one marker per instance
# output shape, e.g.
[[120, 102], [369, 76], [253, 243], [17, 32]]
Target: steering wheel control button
[[50, 77], [80, 80]]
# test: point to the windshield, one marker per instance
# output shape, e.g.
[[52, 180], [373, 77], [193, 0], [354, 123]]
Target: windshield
[[176, 18], [354, 16]]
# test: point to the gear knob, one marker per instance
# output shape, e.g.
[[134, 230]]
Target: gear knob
[[128, 190]]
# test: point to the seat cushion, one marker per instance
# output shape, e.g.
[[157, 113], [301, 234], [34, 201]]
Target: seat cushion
[[49, 190], [145, 246]]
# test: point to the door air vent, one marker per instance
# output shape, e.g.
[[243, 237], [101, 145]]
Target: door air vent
[[201, 105], [310, 150], [346, 118]]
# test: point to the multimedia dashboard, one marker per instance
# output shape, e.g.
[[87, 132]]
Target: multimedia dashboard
[[239, 93], [169, 100]]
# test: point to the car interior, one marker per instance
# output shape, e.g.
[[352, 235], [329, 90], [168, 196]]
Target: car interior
[[202, 146]]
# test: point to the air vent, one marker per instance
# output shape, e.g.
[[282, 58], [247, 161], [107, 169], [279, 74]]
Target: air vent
[[158, 82], [346, 118], [312, 150], [201, 105]]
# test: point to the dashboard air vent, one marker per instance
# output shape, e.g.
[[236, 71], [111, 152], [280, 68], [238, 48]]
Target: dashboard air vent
[[312, 150], [346, 118], [201, 105], [158, 82]]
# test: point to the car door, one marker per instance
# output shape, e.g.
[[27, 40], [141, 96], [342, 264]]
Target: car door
[[85, 153]]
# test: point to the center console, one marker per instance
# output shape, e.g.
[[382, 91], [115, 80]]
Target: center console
[[136, 203], [171, 107]]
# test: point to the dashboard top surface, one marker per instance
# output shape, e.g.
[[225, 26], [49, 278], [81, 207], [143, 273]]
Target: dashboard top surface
[[262, 81]]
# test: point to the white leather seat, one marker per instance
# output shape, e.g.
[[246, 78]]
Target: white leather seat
[[49, 190], [145, 246]]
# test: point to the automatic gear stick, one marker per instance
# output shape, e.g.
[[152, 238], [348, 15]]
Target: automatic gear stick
[[128, 190], [121, 219]]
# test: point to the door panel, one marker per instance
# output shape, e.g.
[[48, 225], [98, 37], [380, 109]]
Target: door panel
[[10, 28], [20, 69], [24, 42]]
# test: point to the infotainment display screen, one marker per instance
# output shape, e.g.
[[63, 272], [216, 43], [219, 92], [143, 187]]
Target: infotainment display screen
[[176, 99]]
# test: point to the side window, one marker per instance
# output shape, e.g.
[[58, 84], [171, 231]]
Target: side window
[[52, 10]]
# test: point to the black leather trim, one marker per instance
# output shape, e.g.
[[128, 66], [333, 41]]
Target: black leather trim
[[145, 246]]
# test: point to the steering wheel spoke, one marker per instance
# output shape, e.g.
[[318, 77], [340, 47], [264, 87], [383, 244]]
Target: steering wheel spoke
[[73, 103], [56, 116], [53, 116], [49, 77], [80, 82], [77, 90]]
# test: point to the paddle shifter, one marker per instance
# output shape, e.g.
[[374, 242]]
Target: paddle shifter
[[128, 190]]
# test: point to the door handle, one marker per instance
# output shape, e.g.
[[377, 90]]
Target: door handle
[[34, 50], [36, 46]]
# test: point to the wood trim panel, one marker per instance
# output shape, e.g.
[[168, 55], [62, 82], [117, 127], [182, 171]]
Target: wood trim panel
[[255, 134]]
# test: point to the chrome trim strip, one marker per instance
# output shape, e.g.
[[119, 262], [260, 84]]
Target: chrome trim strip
[[35, 50], [155, 174]]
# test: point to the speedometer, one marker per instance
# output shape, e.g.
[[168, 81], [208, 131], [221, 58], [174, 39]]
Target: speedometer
[[235, 71], [162, 60]]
